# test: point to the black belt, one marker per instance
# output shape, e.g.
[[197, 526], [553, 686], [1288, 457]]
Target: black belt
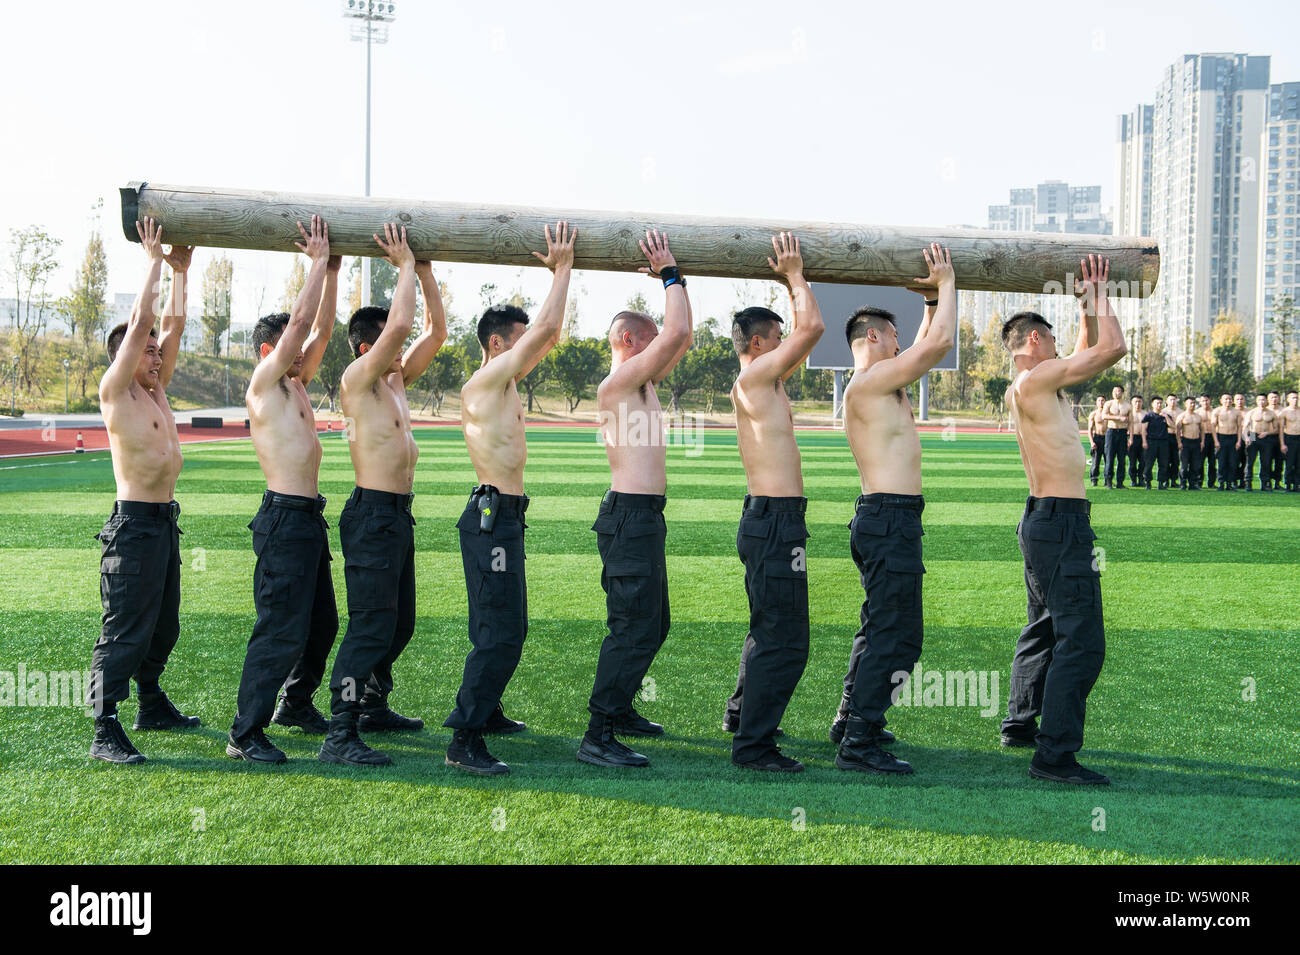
[[364, 495], [170, 510], [654, 502], [760, 504], [504, 502], [1059, 505], [294, 502], [911, 502]]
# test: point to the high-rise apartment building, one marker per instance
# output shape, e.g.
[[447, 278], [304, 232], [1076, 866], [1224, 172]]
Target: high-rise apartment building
[[1279, 273]]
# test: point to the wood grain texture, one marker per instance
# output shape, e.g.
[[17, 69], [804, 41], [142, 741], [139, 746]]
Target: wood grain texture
[[735, 248]]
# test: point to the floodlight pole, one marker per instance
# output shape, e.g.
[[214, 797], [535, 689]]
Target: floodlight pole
[[365, 261]]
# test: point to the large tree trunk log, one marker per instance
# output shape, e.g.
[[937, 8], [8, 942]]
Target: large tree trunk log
[[735, 248]]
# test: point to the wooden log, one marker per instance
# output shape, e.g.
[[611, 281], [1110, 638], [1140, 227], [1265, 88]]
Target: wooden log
[[734, 248]]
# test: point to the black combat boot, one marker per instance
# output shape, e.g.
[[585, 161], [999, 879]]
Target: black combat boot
[[600, 748], [344, 745], [255, 748], [860, 751], [501, 725], [111, 743], [469, 753], [633, 723], [159, 713], [376, 717], [305, 716]]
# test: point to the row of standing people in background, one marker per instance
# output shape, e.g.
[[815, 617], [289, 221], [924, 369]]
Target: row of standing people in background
[[1198, 445]]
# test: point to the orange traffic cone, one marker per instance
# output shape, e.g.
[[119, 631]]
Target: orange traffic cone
[[81, 445]]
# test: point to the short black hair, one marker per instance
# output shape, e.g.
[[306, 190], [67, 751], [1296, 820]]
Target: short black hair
[[498, 320], [115, 339], [365, 325], [1016, 329], [268, 330], [1138, 398], [1206, 397], [748, 322], [866, 317]]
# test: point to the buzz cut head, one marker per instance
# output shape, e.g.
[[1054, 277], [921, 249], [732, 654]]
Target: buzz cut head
[[1017, 328], [865, 319]]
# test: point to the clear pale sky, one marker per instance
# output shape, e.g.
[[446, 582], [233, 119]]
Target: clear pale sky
[[917, 114]]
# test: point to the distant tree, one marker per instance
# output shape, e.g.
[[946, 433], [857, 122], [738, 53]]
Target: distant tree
[[995, 392], [445, 372], [293, 285], [217, 278], [33, 258], [1284, 315], [577, 364], [338, 355], [86, 308], [543, 372]]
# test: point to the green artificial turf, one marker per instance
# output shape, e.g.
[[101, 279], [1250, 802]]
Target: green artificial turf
[[1201, 598]]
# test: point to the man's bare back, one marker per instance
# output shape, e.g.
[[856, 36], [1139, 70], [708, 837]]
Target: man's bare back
[[493, 418], [632, 428], [881, 429]]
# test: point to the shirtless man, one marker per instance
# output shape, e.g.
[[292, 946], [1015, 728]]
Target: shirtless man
[[1225, 427], [885, 535], [1097, 438], [1259, 425], [1117, 412], [1060, 652], [1135, 474], [140, 564], [1275, 440], [630, 526], [375, 527], [1187, 431], [1239, 405], [492, 526], [1290, 435], [293, 589], [773, 538], [1207, 474]]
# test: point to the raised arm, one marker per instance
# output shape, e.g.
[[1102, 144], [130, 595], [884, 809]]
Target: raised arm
[[1096, 352], [542, 335], [934, 339], [377, 360], [657, 360], [173, 318], [687, 342], [122, 369], [313, 352], [807, 325], [272, 366], [434, 333]]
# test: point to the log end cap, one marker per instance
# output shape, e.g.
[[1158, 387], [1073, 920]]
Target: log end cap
[[130, 194]]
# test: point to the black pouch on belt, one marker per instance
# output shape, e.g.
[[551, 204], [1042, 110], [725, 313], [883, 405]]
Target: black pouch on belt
[[488, 498]]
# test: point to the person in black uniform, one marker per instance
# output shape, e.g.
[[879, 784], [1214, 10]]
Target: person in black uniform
[[492, 526], [772, 539], [1062, 648], [140, 561], [1096, 439], [293, 588], [630, 529], [1155, 445], [1207, 475]]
